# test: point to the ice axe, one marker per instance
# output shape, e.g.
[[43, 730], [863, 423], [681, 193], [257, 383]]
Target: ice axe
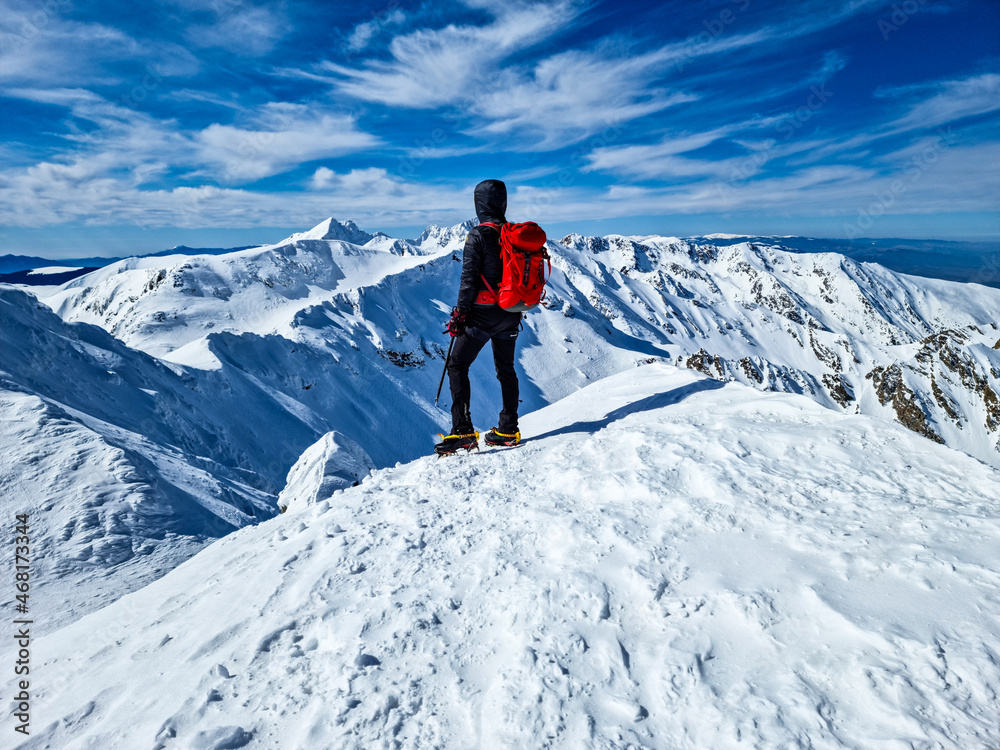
[[446, 360]]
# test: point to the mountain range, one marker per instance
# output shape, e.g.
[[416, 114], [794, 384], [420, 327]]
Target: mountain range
[[976, 261], [155, 405], [227, 367]]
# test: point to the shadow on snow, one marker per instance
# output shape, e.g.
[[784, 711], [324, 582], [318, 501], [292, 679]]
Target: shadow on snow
[[654, 401]]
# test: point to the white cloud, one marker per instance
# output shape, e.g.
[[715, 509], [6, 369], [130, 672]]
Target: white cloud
[[363, 33], [936, 106], [41, 48], [124, 138], [370, 183], [322, 179], [283, 136], [560, 98], [432, 67], [50, 194], [107, 172], [193, 95], [644, 159], [665, 160], [926, 178], [946, 102], [252, 31], [833, 63], [575, 94]]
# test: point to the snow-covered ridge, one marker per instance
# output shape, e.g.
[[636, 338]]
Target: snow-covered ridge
[[160, 304], [331, 463], [686, 563], [126, 466], [50, 270], [852, 336]]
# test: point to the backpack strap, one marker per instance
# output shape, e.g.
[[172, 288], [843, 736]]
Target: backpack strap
[[494, 297]]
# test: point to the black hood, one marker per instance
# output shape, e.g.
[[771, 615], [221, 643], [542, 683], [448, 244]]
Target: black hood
[[491, 201]]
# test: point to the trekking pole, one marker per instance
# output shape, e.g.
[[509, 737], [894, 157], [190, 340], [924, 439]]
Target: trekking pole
[[446, 359]]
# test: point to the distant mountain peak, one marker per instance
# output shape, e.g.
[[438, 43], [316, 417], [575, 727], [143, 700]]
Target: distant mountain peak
[[331, 229], [443, 234]]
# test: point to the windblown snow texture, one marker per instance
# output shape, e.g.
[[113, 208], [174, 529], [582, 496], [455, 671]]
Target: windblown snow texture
[[667, 562]]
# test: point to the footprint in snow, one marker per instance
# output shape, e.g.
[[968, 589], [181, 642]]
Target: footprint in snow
[[221, 738]]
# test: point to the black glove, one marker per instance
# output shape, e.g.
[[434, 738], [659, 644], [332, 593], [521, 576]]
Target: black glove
[[456, 324]]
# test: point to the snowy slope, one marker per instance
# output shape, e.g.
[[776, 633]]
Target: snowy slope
[[852, 336], [668, 562], [126, 465]]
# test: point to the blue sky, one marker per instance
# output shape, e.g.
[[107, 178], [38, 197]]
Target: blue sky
[[131, 127]]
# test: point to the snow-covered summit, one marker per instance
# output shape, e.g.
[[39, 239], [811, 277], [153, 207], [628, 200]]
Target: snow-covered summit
[[667, 561], [435, 236], [331, 229], [724, 236]]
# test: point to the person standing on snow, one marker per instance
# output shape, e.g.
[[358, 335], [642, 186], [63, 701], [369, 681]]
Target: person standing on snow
[[477, 319]]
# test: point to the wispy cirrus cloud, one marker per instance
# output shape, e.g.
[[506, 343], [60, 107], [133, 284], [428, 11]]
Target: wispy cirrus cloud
[[43, 48], [245, 30], [563, 97], [570, 96], [434, 67], [363, 33], [228, 101], [745, 145], [941, 102]]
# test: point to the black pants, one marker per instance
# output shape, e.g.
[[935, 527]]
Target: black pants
[[501, 328]]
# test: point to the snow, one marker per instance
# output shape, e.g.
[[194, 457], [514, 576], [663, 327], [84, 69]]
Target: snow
[[127, 466], [332, 463], [195, 354], [47, 270], [667, 561], [331, 229]]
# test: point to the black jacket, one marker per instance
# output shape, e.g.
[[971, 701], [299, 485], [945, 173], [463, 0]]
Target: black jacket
[[481, 257]]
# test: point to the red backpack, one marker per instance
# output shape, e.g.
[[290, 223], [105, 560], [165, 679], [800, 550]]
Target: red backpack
[[524, 258]]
